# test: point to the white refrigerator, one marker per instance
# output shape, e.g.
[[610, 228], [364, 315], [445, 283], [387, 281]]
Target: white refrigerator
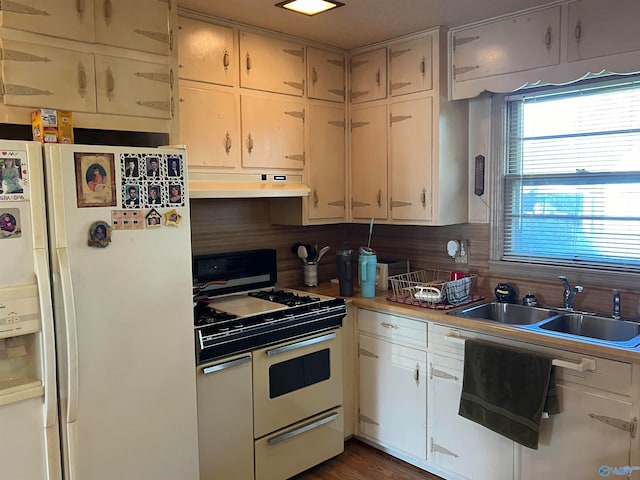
[[111, 394]]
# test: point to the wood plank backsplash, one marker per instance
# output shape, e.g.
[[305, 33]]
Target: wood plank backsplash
[[226, 225]]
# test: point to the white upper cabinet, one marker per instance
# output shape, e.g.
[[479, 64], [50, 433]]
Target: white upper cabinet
[[45, 76], [140, 25], [326, 162], [206, 52], [599, 28], [272, 133], [325, 75], [271, 64], [514, 44], [216, 142], [410, 66], [411, 164], [72, 19], [369, 76], [129, 87]]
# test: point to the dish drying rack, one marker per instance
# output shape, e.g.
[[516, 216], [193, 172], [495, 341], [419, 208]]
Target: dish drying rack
[[432, 289]]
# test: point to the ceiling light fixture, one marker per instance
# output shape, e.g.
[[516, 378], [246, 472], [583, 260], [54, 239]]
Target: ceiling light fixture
[[309, 7]]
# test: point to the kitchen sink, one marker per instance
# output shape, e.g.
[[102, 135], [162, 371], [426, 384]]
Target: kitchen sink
[[612, 331], [508, 313]]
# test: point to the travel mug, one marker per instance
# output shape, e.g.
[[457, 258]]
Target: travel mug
[[367, 263], [345, 262]]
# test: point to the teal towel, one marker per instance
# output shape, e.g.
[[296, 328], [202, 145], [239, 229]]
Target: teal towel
[[506, 390]]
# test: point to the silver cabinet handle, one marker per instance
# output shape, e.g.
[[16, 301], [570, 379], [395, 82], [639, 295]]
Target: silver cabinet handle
[[314, 76], [378, 77], [226, 365], [248, 62], [107, 11], [82, 80], [547, 38], [379, 198], [389, 325], [302, 344], [577, 31], [423, 67], [423, 198], [80, 8], [416, 374], [299, 431], [316, 200], [111, 84]]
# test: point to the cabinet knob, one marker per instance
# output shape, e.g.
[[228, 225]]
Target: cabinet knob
[[111, 84], [547, 38], [248, 62], [82, 80], [577, 31], [227, 143], [107, 11], [316, 201], [249, 143], [80, 8], [226, 61]]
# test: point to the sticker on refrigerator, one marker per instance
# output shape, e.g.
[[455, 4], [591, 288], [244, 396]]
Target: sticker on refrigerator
[[10, 223], [99, 235], [172, 218], [95, 179], [127, 220], [153, 219], [14, 175]]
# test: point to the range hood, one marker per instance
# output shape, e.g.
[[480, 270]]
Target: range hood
[[246, 185]]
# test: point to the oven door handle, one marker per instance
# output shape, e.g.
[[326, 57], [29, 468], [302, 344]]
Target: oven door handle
[[304, 343], [305, 428], [225, 365]]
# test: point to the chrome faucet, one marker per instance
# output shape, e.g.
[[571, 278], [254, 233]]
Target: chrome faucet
[[569, 292], [616, 305]]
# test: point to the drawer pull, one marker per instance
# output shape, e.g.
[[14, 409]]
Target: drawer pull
[[225, 365], [304, 343], [303, 429], [389, 325], [581, 366]]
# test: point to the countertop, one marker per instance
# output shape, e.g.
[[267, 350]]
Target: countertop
[[380, 303]]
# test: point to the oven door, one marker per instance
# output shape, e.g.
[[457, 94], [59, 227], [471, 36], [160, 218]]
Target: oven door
[[296, 380]]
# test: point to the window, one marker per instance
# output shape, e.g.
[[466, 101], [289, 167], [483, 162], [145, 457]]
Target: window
[[571, 178]]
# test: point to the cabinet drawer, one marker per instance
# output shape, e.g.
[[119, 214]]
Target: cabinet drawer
[[400, 330], [609, 375]]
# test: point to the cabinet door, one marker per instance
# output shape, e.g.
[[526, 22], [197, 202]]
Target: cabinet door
[[209, 125], [369, 162], [227, 385], [40, 76], [599, 28], [71, 19], [456, 444], [129, 87], [411, 159], [326, 162], [325, 75], [511, 45], [206, 52], [272, 133], [140, 25], [271, 64], [369, 76], [393, 396], [410, 66], [581, 427]]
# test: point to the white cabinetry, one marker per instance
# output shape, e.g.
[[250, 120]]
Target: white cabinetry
[[458, 445], [393, 384], [599, 29], [210, 125], [46, 76], [326, 162], [325, 75], [533, 42], [369, 162], [225, 404], [595, 420], [410, 66], [135, 88], [206, 52], [369, 76], [271, 64], [272, 132], [411, 184]]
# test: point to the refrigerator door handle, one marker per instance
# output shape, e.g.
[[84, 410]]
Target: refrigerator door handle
[[46, 314], [70, 325]]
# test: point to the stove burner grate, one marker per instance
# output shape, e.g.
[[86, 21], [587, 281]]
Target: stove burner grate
[[284, 297]]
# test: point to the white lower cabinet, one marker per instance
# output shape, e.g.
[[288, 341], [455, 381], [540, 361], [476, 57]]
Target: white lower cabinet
[[393, 384], [592, 424], [393, 396], [459, 446]]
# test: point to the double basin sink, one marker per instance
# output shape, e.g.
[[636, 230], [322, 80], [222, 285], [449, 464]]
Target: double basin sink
[[562, 323]]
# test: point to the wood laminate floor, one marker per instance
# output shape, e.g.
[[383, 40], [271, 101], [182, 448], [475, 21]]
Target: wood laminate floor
[[359, 461]]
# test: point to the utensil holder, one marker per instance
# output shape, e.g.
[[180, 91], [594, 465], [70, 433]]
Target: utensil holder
[[310, 274]]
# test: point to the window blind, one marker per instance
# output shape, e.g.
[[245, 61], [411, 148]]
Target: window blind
[[572, 176]]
